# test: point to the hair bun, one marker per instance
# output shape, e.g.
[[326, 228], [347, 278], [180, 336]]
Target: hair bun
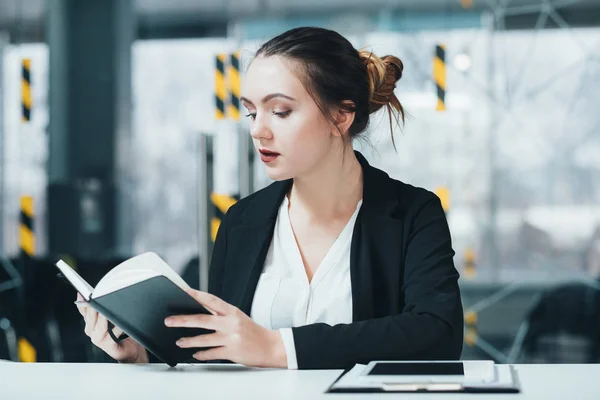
[[394, 65], [382, 74]]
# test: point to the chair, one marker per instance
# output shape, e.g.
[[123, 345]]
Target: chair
[[562, 327]]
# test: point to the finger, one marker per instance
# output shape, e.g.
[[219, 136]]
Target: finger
[[91, 316], [81, 308], [209, 340], [211, 302], [117, 331], [205, 321], [192, 293], [217, 353], [101, 330]]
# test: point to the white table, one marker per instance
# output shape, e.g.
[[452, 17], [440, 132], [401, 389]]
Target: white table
[[114, 381]]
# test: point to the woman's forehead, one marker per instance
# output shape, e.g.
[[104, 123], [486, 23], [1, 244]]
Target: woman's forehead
[[273, 74]]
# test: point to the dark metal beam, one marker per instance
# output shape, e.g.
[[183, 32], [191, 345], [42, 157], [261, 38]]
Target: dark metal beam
[[176, 25], [171, 29], [574, 17], [90, 111]]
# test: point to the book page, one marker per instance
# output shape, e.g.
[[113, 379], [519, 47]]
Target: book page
[[75, 279], [134, 270], [123, 280]]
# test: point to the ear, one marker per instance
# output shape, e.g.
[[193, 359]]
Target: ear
[[343, 118]]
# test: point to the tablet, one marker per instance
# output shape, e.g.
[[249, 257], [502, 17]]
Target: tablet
[[480, 371]]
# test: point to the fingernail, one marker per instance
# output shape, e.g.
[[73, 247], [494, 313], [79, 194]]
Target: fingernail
[[179, 342], [168, 322]]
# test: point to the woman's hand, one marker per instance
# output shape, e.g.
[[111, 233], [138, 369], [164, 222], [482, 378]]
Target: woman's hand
[[96, 328], [237, 338]]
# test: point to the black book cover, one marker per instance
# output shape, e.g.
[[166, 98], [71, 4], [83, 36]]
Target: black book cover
[[140, 311]]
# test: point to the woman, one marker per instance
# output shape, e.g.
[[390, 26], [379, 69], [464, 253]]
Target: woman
[[335, 263]]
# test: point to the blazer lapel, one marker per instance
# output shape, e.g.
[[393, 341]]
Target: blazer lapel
[[251, 240], [373, 261]]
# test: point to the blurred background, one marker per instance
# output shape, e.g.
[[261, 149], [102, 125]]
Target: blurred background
[[120, 133]]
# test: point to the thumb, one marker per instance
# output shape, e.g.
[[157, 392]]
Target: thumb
[[117, 331], [195, 294]]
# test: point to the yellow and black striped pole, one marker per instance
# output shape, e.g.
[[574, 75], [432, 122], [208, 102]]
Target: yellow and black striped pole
[[26, 101], [233, 75], [444, 194], [469, 259], [471, 328], [220, 87], [26, 351], [26, 228], [439, 76], [222, 202]]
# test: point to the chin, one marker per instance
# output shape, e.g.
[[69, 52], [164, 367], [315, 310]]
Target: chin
[[277, 174]]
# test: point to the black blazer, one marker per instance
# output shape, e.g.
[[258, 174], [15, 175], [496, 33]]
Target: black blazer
[[405, 295]]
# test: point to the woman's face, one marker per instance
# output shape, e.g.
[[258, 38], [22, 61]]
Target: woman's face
[[288, 128]]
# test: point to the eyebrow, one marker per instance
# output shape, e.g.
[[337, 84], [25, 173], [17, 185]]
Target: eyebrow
[[269, 97]]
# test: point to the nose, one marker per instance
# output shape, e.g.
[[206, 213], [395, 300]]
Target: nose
[[260, 129]]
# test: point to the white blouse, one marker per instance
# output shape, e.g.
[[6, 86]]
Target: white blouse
[[284, 298]]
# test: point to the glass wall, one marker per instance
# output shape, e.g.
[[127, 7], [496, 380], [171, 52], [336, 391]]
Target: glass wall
[[517, 149]]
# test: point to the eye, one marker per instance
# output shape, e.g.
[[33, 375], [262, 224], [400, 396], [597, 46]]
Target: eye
[[251, 116], [282, 114]]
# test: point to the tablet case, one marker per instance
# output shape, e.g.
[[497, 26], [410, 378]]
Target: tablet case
[[515, 387]]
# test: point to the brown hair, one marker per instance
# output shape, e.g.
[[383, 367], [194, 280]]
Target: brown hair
[[339, 77]]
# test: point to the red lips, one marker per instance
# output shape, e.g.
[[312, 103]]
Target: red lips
[[268, 156]]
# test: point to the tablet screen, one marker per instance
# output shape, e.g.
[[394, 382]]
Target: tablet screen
[[408, 368]]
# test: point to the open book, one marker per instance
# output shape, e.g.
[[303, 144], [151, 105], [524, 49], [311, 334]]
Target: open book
[[137, 295]]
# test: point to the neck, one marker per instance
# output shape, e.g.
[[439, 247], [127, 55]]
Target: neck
[[332, 189]]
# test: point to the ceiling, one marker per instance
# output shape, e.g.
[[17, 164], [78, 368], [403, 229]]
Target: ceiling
[[24, 19]]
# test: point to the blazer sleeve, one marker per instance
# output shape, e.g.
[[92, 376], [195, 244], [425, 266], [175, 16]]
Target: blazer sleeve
[[430, 327]]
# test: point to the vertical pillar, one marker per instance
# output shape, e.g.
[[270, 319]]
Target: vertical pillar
[[2, 150], [89, 131]]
